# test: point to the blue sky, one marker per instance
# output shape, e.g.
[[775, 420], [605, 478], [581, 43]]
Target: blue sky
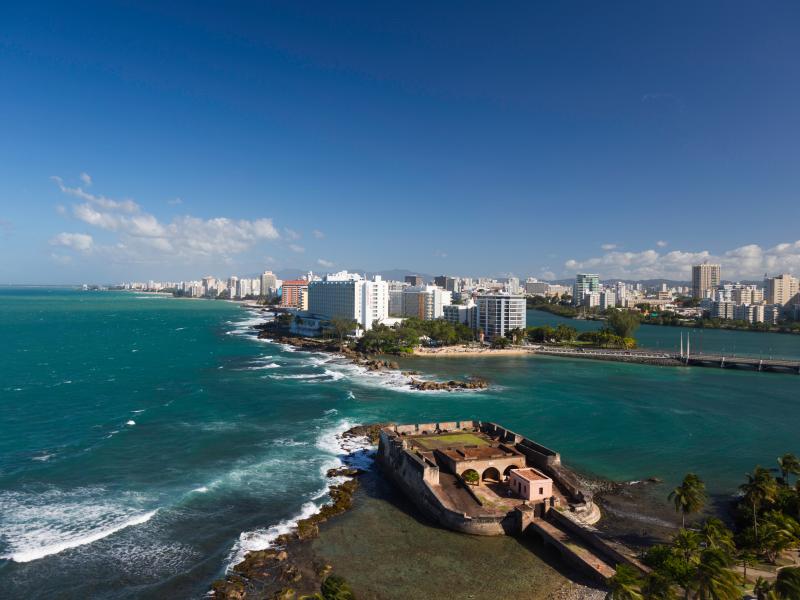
[[146, 141]]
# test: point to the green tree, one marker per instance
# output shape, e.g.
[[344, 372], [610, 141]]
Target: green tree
[[625, 584], [789, 465], [341, 328], [716, 535], [759, 489], [713, 579], [762, 589], [779, 532], [516, 335], [336, 588], [746, 558], [689, 497], [500, 342], [658, 585], [787, 584], [623, 323]]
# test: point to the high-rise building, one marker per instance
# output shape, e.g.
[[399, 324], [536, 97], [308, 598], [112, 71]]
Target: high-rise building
[[782, 290], [498, 314], [349, 296], [269, 284], [425, 301], [451, 284], [585, 283], [461, 313], [608, 299], [293, 294], [705, 279], [396, 289], [415, 280]]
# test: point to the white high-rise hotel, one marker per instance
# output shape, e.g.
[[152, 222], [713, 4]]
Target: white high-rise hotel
[[349, 296]]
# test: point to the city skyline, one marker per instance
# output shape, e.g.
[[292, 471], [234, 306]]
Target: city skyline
[[181, 142]]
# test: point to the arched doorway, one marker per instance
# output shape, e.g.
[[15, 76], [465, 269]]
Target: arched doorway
[[491, 475], [471, 477], [508, 470]]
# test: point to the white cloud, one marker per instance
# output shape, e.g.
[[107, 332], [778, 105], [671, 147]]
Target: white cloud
[[142, 237], [324, 263], [745, 262], [77, 241], [296, 248], [61, 259], [86, 179], [318, 234], [440, 254], [291, 234], [661, 244], [608, 246], [175, 201]]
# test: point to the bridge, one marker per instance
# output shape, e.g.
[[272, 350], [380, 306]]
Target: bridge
[[683, 357], [751, 363]]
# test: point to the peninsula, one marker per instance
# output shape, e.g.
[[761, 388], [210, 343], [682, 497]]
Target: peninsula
[[480, 478]]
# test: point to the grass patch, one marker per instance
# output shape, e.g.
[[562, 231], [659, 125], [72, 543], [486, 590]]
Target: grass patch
[[450, 439]]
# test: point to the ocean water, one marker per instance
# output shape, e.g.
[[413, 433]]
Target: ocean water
[[147, 442]]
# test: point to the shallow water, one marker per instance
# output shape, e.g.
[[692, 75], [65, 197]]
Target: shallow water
[[149, 441]]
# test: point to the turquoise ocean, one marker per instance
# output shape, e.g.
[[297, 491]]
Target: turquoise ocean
[[148, 442]]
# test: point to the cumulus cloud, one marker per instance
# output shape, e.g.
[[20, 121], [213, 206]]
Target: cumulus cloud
[[745, 262], [290, 234], [324, 263], [175, 201], [608, 246], [661, 244], [296, 248], [318, 234], [142, 237], [77, 241], [86, 179]]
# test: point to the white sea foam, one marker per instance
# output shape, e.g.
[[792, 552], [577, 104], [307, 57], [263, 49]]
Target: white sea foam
[[43, 457], [130, 422], [35, 525], [201, 490], [262, 367], [136, 412], [350, 451], [259, 539]]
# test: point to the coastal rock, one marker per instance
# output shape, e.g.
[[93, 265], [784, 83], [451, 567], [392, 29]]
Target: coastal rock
[[474, 383], [371, 432]]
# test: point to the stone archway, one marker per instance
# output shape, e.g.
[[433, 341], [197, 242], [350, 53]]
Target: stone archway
[[491, 475], [508, 469], [471, 477]]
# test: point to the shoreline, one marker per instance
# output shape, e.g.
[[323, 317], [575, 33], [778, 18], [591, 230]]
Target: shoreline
[[292, 566]]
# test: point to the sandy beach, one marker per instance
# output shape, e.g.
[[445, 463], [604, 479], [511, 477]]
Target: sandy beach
[[471, 351]]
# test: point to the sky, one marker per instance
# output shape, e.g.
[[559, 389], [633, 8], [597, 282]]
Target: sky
[[153, 140]]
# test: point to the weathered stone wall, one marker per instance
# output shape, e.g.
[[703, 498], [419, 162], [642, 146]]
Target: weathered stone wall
[[414, 477]]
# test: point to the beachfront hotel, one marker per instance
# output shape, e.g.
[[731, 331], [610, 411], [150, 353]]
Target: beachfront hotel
[[497, 314], [349, 296]]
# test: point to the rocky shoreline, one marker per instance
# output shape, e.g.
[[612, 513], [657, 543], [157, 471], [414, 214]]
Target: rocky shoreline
[[285, 571], [269, 332], [290, 569]]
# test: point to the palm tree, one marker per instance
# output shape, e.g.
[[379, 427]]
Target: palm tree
[[789, 465], [716, 535], [713, 579], [625, 584], [778, 533], [687, 543], [659, 586], [762, 588], [787, 585], [689, 497], [746, 559], [759, 489]]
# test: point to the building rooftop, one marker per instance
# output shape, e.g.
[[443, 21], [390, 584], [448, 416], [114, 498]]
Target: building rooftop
[[530, 474]]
